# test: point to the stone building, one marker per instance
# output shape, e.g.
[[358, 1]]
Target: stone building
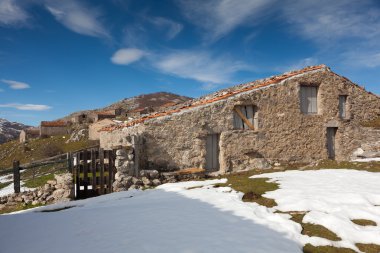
[[29, 133], [81, 118], [52, 128], [93, 129], [300, 116], [108, 114]]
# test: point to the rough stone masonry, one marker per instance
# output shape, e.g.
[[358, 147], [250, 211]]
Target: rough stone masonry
[[179, 138]]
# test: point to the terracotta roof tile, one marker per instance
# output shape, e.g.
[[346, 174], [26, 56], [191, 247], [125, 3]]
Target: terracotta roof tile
[[227, 94], [58, 123]]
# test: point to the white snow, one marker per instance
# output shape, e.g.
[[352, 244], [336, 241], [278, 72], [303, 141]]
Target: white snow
[[196, 217], [363, 160], [161, 220], [9, 189], [332, 199]]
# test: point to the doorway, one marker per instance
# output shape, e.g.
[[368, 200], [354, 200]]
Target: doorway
[[212, 153], [331, 133]]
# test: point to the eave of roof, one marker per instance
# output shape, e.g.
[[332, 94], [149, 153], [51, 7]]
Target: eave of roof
[[197, 103]]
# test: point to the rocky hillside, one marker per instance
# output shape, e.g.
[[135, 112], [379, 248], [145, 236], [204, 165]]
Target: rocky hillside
[[152, 100], [10, 130]]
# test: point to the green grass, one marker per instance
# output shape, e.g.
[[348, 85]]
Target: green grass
[[34, 149], [364, 222], [372, 123], [253, 188], [314, 229], [38, 181], [18, 207], [308, 248], [331, 164], [3, 185], [368, 248]]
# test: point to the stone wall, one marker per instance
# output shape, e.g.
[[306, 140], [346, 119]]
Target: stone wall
[[52, 131], [284, 133], [58, 190]]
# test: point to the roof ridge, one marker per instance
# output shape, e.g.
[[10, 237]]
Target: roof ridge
[[264, 83]]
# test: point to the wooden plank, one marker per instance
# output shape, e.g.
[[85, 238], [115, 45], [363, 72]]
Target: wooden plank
[[110, 172], [250, 114], [215, 152], [85, 173], [93, 170], [209, 153], [16, 176], [246, 121], [101, 167], [77, 176]]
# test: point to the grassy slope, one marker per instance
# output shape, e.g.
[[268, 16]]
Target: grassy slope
[[34, 150]]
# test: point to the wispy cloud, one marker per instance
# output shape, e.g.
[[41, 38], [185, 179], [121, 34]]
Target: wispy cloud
[[12, 14], [310, 61], [16, 85], [172, 28], [77, 17], [219, 17], [26, 107], [327, 21], [200, 66], [360, 58], [350, 29], [127, 56]]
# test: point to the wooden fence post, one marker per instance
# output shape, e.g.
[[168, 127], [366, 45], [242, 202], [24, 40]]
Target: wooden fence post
[[16, 176]]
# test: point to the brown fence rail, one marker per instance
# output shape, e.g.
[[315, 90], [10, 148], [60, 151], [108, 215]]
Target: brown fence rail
[[93, 170]]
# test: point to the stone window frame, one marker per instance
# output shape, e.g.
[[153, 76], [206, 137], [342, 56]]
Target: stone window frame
[[250, 112], [303, 95], [343, 114]]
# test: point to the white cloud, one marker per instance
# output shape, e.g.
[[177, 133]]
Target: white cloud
[[11, 13], [326, 20], [219, 17], [126, 56], [26, 107], [200, 66], [361, 58], [173, 28], [16, 85], [77, 17], [310, 61]]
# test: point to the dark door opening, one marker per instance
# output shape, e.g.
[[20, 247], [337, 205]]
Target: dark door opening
[[212, 153], [331, 132]]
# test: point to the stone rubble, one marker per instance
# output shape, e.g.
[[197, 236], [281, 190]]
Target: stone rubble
[[58, 190]]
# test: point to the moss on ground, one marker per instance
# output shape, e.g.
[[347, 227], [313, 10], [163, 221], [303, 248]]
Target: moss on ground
[[18, 207], [368, 248], [3, 185], [253, 188], [38, 181], [308, 248], [364, 222], [332, 164], [310, 229]]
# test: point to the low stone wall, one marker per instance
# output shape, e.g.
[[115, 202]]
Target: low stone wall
[[369, 144], [58, 190]]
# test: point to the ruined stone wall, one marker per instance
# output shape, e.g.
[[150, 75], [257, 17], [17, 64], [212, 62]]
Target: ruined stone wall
[[52, 131], [284, 133], [58, 190]]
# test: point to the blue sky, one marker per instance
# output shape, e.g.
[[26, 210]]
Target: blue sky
[[57, 56]]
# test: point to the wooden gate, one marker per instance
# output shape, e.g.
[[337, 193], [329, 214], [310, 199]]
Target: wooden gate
[[93, 172]]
